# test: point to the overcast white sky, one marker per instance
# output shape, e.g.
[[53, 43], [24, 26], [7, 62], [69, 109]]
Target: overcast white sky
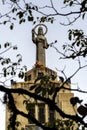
[[21, 36]]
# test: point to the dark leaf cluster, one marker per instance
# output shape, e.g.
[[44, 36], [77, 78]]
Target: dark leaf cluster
[[44, 85], [78, 45]]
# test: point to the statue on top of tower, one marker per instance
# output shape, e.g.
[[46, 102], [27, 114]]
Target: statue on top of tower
[[41, 43]]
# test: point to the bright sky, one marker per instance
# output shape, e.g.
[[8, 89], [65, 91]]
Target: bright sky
[[21, 36]]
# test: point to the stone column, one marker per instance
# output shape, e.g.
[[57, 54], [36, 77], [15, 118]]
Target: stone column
[[36, 112], [46, 113]]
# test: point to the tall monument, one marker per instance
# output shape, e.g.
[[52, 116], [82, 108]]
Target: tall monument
[[39, 109], [41, 43]]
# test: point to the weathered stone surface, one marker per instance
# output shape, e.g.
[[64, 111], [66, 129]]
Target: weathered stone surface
[[41, 44]]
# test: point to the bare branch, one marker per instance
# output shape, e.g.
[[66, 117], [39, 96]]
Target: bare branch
[[75, 90], [53, 6], [71, 22], [6, 50]]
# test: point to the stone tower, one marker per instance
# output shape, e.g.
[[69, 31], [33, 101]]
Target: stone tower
[[40, 110]]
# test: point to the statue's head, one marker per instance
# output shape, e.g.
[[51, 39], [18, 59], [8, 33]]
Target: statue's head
[[40, 31]]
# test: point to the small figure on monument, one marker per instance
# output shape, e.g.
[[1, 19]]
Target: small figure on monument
[[41, 43]]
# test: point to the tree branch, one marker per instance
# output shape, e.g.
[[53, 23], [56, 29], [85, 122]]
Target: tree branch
[[48, 101]]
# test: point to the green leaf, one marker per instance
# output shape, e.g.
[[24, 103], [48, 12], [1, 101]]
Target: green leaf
[[70, 35], [14, 9], [64, 47], [43, 19], [78, 43], [38, 89], [18, 55], [1, 58], [73, 43], [3, 62], [22, 21], [19, 60], [7, 44], [4, 22], [18, 123], [21, 75], [75, 100], [55, 41], [20, 14], [51, 91], [8, 60], [52, 21], [34, 22], [30, 12], [15, 48], [27, 6], [71, 3], [12, 26], [82, 110], [5, 73], [83, 15], [0, 46], [44, 92], [30, 18], [14, 64], [11, 73], [32, 87]]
